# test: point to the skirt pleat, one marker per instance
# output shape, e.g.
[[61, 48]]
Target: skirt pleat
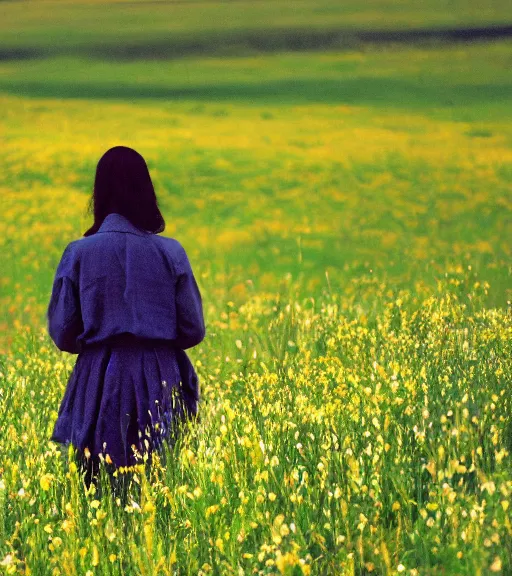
[[122, 397]]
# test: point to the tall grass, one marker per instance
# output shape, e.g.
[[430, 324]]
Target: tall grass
[[347, 216]]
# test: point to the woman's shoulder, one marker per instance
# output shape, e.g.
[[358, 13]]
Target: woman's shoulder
[[171, 248], [172, 245]]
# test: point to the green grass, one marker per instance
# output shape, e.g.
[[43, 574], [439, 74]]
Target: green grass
[[348, 218], [343, 150], [160, 29], [459, 82]]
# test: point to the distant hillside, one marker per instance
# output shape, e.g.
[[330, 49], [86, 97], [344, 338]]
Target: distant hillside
[[122, 29]]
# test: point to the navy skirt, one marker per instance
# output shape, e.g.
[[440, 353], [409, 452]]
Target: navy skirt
[[124, 398]]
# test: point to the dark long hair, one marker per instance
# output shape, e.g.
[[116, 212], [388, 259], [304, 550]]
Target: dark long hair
[[122, 184]]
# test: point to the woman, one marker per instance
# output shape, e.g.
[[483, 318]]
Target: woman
[[126, 301]]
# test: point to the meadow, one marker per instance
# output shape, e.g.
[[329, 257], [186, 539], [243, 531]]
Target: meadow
[[347, 215], [156, 29]]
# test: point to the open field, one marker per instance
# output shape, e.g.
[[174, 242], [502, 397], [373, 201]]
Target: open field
[[389, 166], [348, 218], [159, 29]]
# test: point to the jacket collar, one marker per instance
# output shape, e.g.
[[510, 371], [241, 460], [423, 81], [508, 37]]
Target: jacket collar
[[115, 222]]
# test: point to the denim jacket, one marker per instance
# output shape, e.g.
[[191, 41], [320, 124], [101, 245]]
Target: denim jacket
[[126, 280]]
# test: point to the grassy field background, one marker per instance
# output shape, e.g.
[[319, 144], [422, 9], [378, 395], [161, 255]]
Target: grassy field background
[[149, 28], [347, 214]]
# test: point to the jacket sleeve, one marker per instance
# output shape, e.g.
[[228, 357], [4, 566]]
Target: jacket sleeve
[[190, 326], [64, 318]]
